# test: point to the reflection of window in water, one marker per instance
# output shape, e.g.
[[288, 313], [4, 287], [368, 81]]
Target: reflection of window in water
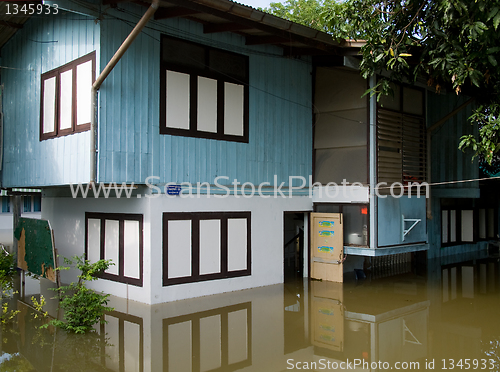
[[218, 339], [354, 218], [123, 353]]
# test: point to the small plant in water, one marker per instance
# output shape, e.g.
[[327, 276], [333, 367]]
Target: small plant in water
[[7, 270], [83, 307]]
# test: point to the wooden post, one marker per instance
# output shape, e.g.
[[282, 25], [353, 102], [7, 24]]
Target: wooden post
[[16, 214]]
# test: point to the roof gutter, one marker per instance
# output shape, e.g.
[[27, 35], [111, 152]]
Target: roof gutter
[[104, 74]]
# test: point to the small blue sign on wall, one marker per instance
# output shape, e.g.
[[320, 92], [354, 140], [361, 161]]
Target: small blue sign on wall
[[173, 189]]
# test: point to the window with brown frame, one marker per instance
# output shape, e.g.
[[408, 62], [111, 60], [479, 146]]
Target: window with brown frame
[[119, 237], [463, 222], [203, 91], [122, 335], [228, 331], [205, 246], [66, 98]]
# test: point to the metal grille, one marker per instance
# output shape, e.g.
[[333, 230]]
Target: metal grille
[[400, 148]]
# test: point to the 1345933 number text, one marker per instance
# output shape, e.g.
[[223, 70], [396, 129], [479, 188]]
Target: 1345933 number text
[[31, 9]]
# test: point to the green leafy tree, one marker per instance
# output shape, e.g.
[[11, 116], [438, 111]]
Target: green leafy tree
[[455, 44], [83, 307], [305, 12]]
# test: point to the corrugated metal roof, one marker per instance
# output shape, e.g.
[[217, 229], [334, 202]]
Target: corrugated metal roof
[[7, 192]]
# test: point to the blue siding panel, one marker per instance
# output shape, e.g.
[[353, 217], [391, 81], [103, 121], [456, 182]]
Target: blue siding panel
[[448, 163], [41, 45], [390, 226], [131, 147]]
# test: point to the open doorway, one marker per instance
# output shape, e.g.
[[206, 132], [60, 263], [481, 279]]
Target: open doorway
[[293, 251]]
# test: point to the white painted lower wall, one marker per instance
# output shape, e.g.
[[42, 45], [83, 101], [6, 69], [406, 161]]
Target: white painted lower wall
[[6, 226], [67, 217], [266, 241]]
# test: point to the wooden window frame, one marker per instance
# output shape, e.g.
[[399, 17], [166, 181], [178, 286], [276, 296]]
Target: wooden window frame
[[195, 218], [195, 319], [210, 73], [458, 207], [58, 132], [121, 218]]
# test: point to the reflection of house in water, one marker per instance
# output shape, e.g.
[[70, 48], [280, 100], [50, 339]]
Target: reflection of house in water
[[389, 323], [406, 318], [465, 306]]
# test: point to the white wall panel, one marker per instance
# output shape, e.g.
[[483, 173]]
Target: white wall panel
[[209, 246], [66, 99], [210, 343], [467, 225], [179, 248], [94, 239], [238, 336], [444, 226], [132, 346], [207, 104], [453, 225], [468, 281], [49, 105], [177, 100], [236, 244], [83, 93], [111, 244], [233, 108], [131, 249], [180, 347]]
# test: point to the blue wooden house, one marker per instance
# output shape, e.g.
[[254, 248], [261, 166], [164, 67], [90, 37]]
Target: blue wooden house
[[216, 134]]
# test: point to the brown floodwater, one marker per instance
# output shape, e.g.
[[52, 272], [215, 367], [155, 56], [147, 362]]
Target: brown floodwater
[[441, 316]]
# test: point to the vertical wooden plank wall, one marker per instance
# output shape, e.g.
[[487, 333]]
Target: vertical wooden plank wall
[[131, 147], [44, 43]]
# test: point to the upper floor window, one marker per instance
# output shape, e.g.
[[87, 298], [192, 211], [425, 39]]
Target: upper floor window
[[66, 97], [203, 91], [401, 137]]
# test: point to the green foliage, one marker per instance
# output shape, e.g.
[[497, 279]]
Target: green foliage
[[7, 270], [306, 12], [7, 264], [7, 316], [487, 145], [83, 307], [455, 44], [39, 306]]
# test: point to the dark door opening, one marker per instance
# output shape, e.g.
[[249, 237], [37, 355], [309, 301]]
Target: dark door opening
[[293, 251]]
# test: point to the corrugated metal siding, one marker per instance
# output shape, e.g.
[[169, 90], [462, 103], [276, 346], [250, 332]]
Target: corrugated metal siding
[[43, 44], [447, 161], [132, 149]]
